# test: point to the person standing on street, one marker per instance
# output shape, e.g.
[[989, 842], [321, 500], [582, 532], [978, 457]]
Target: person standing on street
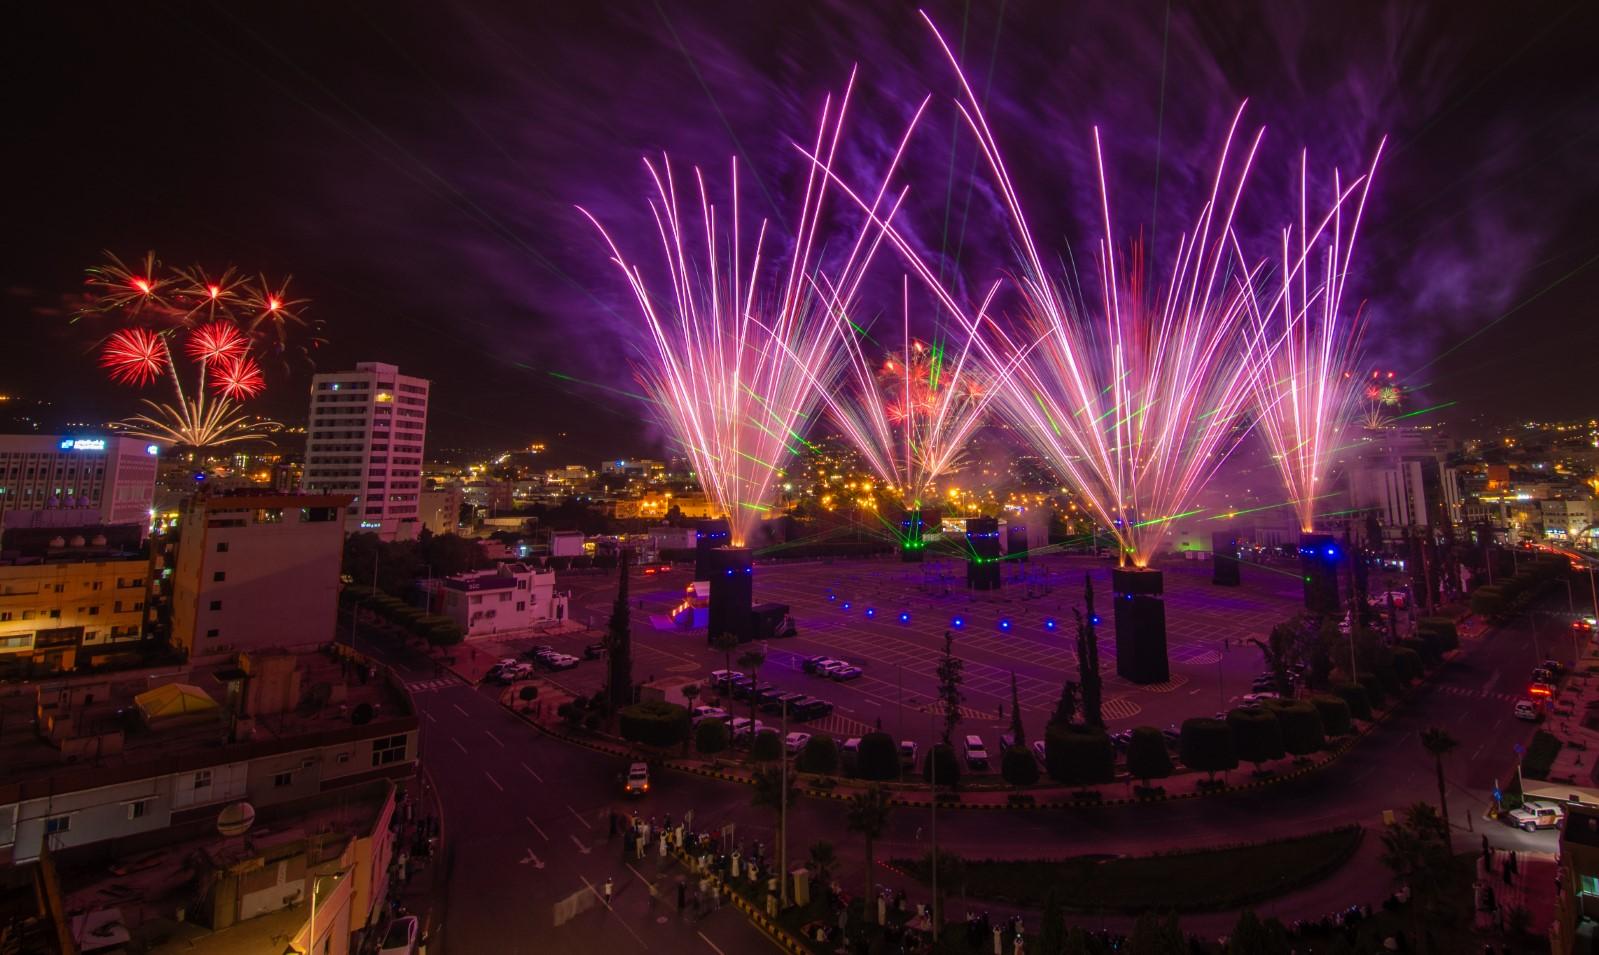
[[609, 888]]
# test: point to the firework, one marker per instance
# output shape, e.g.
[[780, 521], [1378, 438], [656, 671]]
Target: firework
[[1134, 398], [737, 345], [220, 324], [1305, 390], [134, 356], [910, 414]]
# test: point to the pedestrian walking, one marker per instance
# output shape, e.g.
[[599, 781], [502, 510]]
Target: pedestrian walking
[[609, 888], [662, 853], [999, 941]]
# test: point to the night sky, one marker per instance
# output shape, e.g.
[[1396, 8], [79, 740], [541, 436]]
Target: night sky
[[415, 166]]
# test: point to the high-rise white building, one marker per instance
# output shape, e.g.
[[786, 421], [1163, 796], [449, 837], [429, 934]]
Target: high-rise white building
[[364, 439], [74, 480]]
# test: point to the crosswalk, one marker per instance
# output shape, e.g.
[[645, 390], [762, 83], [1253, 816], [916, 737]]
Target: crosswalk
[[839, 727], [421, 686], [1484, 694]]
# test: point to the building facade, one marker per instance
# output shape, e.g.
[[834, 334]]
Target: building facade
[[1566, 520], [256, 570], [364, 439], [74, 480], [513, 596], [82, 600]]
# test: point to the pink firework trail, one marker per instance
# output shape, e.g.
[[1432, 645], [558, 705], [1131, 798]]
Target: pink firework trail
[[1134, 399], [738, 351], [1306, 391]]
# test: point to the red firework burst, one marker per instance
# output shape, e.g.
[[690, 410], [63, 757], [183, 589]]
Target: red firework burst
[[134, 356], [216, 341], [238, 377]]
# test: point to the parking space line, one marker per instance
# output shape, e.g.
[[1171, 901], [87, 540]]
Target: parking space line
[[496, 782]]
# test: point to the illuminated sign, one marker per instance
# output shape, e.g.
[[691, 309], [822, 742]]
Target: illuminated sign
[[152, 449], [83, 444], [371, 525]]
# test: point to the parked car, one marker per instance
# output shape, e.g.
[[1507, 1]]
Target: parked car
[[1553, 666], [1533, 816], [744, 729], [976, 752], [703, 713], [849, 751], [638, 780], [1543, 675], [907, 754], [561, 661], [594, 651], [795, 741], [1039, 751], [534, 653], [810, 708], [1249, 700], [1121, 740], [781, 702], [846, 672], [815, 664], [1527, 710], [1174, 737], [400, 937], [827, 667]]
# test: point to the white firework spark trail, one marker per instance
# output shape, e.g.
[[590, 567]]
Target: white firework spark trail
[[740, 349]]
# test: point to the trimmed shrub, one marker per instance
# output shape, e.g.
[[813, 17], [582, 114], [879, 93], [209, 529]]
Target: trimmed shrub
[[818, 755], [1374, 689], [1302, 727], [1147, 756], [654, 723], [878, 757], [1334, 713], [1407, 663], [711, 736], [1443, 628], [1354, 697], [1257, 735], [768, 746], [942, 759], [1019, 767], [1207, 746], [1078, 755], [1489, 601]]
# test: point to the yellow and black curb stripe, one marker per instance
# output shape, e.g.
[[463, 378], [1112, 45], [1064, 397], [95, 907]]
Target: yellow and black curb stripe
[[781, 936]]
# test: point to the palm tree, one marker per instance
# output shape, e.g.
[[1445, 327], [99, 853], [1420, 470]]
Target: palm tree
[[823, 858], [725, 644], [750, 661], [1417, 850], [1439, 743], [690, 694], [868, 816]]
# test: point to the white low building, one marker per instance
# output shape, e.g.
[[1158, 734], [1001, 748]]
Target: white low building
[[512, 596]]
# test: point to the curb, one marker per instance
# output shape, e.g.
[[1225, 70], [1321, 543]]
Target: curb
[[1330, 756], [779, 935]]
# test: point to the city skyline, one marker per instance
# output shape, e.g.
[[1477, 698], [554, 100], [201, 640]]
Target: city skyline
[[482, 297]]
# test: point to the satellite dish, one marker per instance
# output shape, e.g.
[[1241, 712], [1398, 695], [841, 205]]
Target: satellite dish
[[236, 820]]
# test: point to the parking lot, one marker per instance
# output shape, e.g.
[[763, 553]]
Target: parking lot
[[889, 618]]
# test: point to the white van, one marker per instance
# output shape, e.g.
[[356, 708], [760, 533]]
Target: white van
[[1526, 710]]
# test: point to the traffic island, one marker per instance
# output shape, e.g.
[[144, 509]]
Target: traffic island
[[1201, 880]]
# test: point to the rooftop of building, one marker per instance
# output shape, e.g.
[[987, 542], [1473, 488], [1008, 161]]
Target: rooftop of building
[[91, 542], [1582, 825], [502, 577], [143, 882], [257, 496], [332, 694]]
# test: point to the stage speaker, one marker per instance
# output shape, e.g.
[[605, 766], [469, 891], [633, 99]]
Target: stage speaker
[[708, 535], [982, 553], [911, 542], [732, 592], [1140, 625], [1224, 569], [1015, 542], [1319, 555]]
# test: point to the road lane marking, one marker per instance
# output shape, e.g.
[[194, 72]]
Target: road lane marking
[[620, 921], [461, 711], [458, 744], [712, 944], [530, 772], [579, 843], [530, 857], [430, 716], [536, 827], [579, 818], [496, 782], [491, 736]]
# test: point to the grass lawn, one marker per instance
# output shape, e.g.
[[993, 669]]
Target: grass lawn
[[1198, 881], [1540, 756]]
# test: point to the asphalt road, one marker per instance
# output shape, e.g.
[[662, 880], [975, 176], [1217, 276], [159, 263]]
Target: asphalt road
[[526, 815]]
